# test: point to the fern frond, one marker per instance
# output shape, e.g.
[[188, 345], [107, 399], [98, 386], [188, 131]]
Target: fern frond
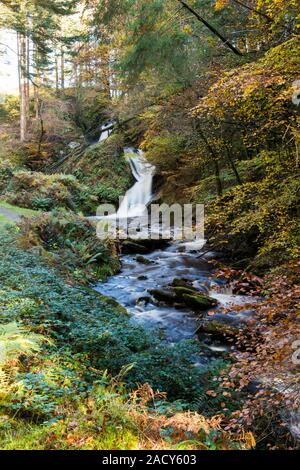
[[15, 341]]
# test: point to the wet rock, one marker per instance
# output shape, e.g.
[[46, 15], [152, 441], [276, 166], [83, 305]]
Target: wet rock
[[163, 296], [142, 246], [253, 387], [130, 247], [215, 350], [198, 302], [144, 299], [226, 319], [112, 303], [186, 296], [143, 260], [180, 291], [142, 278], [181, 283], [225, 326], [218, 328], [152, 244], [158, 182]]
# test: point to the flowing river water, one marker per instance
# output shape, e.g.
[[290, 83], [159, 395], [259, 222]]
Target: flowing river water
[[158, 269]]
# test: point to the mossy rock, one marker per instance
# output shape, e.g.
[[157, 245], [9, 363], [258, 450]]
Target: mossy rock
[[113, 303], [184, 296], [109, 301], [142, 260], [182, 283], [130, 247], [180, 291], [199, 302], [163, 296], [218, 329], [223, 326]]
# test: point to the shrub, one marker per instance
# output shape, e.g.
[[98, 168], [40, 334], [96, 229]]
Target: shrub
[[261, 218], [165, 150], [92, 107], [10, 108], [70, 241], [103, 169], [39, 191]]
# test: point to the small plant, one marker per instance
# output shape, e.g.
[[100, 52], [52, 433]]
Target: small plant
[[74, 240]]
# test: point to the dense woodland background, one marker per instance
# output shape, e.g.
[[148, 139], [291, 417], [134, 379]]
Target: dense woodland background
[[210, 91]]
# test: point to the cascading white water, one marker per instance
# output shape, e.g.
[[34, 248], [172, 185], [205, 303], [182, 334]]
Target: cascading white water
[[140, 195], [105, 131]]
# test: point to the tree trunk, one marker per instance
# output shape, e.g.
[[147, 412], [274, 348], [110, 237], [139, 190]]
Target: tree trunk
[[42, 132], [23, 62], [19, 62], [214, 159], [27, 71], [62, 70], [56, 74], [233, 165], [36, 102], [36, 83], [218, 178]]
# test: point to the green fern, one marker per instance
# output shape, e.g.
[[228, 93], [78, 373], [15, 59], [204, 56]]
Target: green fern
[[15, 341]]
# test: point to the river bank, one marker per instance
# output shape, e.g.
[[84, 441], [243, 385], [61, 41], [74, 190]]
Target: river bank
[[81, 365], [157, 342]]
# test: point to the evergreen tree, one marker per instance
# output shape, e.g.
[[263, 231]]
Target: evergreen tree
[[36, 23]]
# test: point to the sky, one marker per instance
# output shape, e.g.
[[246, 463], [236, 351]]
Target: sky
[[8, 63]]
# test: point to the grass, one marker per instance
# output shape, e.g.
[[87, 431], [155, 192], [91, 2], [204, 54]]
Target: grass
[[18, 210], [4, 220]]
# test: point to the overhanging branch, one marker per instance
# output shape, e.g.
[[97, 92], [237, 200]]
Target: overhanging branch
[[225, 41]]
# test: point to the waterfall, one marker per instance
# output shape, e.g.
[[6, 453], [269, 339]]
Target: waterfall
[[140, 195], [137, 198], [105, 131]]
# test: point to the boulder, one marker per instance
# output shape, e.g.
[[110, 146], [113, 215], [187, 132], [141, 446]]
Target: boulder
[[180, 291], [218, 328], [143, 260], [221, 325], [185, 296], [198, 302], [130, 246], [163, 296], [144, 299], [181, 283]]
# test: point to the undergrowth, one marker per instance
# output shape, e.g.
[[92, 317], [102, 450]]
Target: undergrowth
[[57, 387]]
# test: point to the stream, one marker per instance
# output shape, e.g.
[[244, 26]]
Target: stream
[[130, 289], [187, 261], [179, 259]]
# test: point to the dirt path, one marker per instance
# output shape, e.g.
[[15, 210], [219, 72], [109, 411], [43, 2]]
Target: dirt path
[[9, 214]]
